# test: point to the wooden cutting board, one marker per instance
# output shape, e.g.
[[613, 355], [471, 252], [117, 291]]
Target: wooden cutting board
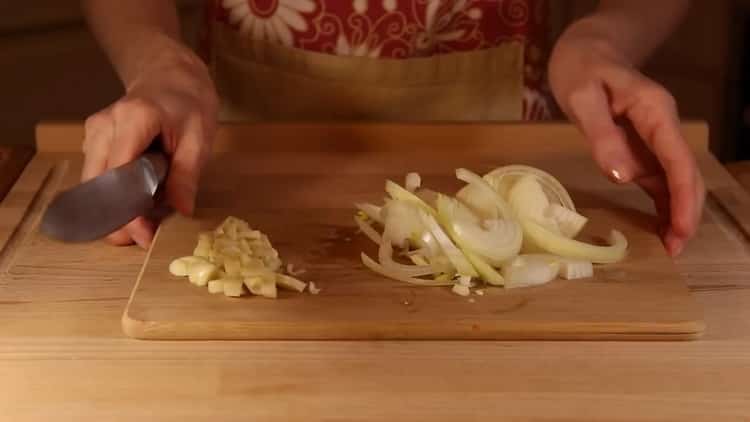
[[300, 192]]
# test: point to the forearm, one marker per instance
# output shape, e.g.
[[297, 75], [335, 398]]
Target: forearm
[[133, 33], [632, 29]]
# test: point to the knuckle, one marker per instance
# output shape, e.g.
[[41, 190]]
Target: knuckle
[[658, 95], [137, 109], [93, 125], [581, 94], [96, 121]]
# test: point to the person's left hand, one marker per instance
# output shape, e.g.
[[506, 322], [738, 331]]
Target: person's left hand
[[603, 95]]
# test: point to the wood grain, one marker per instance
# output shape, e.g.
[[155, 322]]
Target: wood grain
[[63, 355]]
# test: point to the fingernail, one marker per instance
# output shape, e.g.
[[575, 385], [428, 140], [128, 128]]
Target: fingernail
[[618, 174], [674, 244]]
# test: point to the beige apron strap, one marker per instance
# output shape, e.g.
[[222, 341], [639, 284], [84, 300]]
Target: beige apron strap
[[261, 81]]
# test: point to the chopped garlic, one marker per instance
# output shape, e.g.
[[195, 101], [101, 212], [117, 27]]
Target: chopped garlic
[[290, 282], [464, 280], [232, 266], [313, 288], [216, 286], [261, 286], [233, 256], [233, 288], [479, 292], [205, 242], [179, 267], [201, 272]]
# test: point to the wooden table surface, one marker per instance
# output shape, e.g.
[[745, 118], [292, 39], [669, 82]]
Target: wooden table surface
[[63, 355]]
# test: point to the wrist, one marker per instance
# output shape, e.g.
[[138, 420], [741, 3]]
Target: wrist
[[153, 52], [595, 35]]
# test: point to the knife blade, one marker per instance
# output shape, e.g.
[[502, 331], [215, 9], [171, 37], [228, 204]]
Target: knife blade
[[97, 207]]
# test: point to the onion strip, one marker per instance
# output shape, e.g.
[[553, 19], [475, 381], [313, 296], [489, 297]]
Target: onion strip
[[569, 248], [474, 179], [371, 211], [547, 180], [501, 242], [454, 254], [385, 256], [530, 270], [367, 229], [374, 266], [400, 194]]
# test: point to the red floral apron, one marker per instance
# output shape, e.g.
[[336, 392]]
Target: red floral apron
[[379, 59]]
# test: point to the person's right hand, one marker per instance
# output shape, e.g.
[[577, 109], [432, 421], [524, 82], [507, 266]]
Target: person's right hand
[[172, 96]]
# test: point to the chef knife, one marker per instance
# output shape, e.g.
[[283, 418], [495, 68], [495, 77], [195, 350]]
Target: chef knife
[[97, 207]]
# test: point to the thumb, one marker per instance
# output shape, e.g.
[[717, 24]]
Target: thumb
[[589, 108]]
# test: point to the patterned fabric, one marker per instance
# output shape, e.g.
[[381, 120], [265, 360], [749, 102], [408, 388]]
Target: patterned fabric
[[397, 29]]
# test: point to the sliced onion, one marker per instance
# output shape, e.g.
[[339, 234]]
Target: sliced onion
[[529, 270], [400, 194], [421, 252], [402, 222], [367, 229], [427, 195], [413, 181], [385, 256], [495, 245], [441, 264], [503, 178], [474, 179], [418, 259], [371, 211], [527, 198], [485, 270], [569, 248], [444, 277], [374, 266], [457, 258], [426, 241], [569, 222], [479, 201]]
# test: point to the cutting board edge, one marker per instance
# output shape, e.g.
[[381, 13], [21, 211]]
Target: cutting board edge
[[201, 330]]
